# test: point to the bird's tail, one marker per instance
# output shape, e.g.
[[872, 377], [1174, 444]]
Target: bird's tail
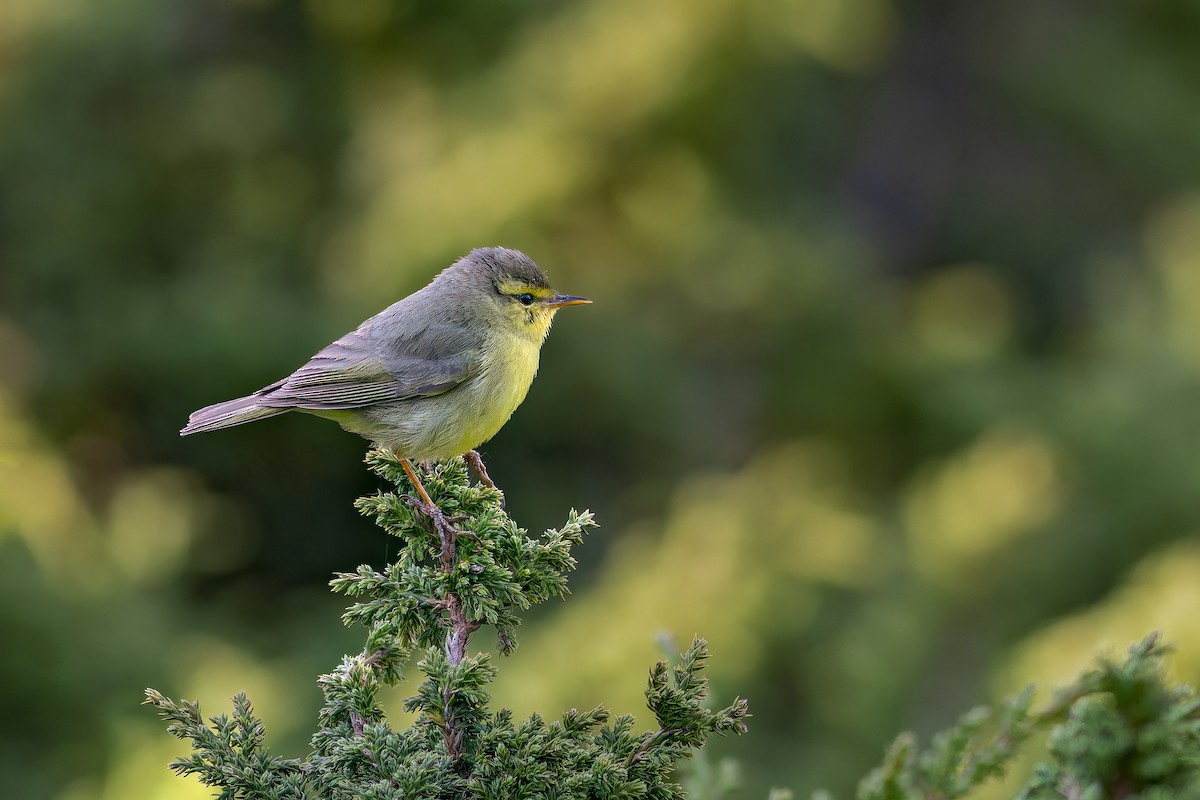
[[228, 414]]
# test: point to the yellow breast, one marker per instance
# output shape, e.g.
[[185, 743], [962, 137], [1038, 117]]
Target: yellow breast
[[504, 380]]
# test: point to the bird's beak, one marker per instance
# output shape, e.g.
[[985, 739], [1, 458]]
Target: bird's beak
[[560, 300]]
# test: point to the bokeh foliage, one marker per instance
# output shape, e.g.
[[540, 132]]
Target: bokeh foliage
[[889, 390]]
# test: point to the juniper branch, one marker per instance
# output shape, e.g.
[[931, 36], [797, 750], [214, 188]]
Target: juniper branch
[[443, 586]]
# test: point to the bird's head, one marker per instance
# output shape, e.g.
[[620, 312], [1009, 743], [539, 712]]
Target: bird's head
[[515, 293]]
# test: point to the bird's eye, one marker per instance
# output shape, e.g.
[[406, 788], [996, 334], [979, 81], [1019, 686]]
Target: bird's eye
[[525, 299]]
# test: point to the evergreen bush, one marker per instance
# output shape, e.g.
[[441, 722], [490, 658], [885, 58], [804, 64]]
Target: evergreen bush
[[439, 591]]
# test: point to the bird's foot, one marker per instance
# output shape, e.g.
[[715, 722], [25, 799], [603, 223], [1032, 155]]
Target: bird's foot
[[475, 462], [443, 523], [443, 526]]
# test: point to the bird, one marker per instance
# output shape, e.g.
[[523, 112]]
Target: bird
[[432, 376]]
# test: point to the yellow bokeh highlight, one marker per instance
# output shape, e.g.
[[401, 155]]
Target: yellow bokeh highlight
[[213, 671], [736, 552], [151, 525], [141, 769], [962, 512], [40, 504], [22, 22], [1162, 593], [144, 534]]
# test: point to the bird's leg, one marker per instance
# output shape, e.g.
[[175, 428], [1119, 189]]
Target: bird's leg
[[475, 462], [441, 522], [416, 482]]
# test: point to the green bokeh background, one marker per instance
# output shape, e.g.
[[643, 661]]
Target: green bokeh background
[[891, 388]]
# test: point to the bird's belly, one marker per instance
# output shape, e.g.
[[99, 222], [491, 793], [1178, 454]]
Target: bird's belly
[[450, 424]]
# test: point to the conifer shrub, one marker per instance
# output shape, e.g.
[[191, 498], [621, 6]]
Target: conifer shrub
[[428, 603]]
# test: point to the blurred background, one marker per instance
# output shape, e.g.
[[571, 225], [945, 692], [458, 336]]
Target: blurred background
[[890, 389]]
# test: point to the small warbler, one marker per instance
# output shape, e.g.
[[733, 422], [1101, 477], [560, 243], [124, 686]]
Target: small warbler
[[432, 376]]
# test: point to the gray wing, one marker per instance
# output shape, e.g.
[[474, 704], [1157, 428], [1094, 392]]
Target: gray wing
[[364, 369]]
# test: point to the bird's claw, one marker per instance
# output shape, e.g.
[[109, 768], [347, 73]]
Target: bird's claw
[[475, 462], [443, 523]]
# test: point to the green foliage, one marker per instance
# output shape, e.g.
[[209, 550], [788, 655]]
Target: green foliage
[[947, 250], [442, 588], [1119, 731]]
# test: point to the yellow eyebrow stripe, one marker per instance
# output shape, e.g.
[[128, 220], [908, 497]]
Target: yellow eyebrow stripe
[[518, 287]]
